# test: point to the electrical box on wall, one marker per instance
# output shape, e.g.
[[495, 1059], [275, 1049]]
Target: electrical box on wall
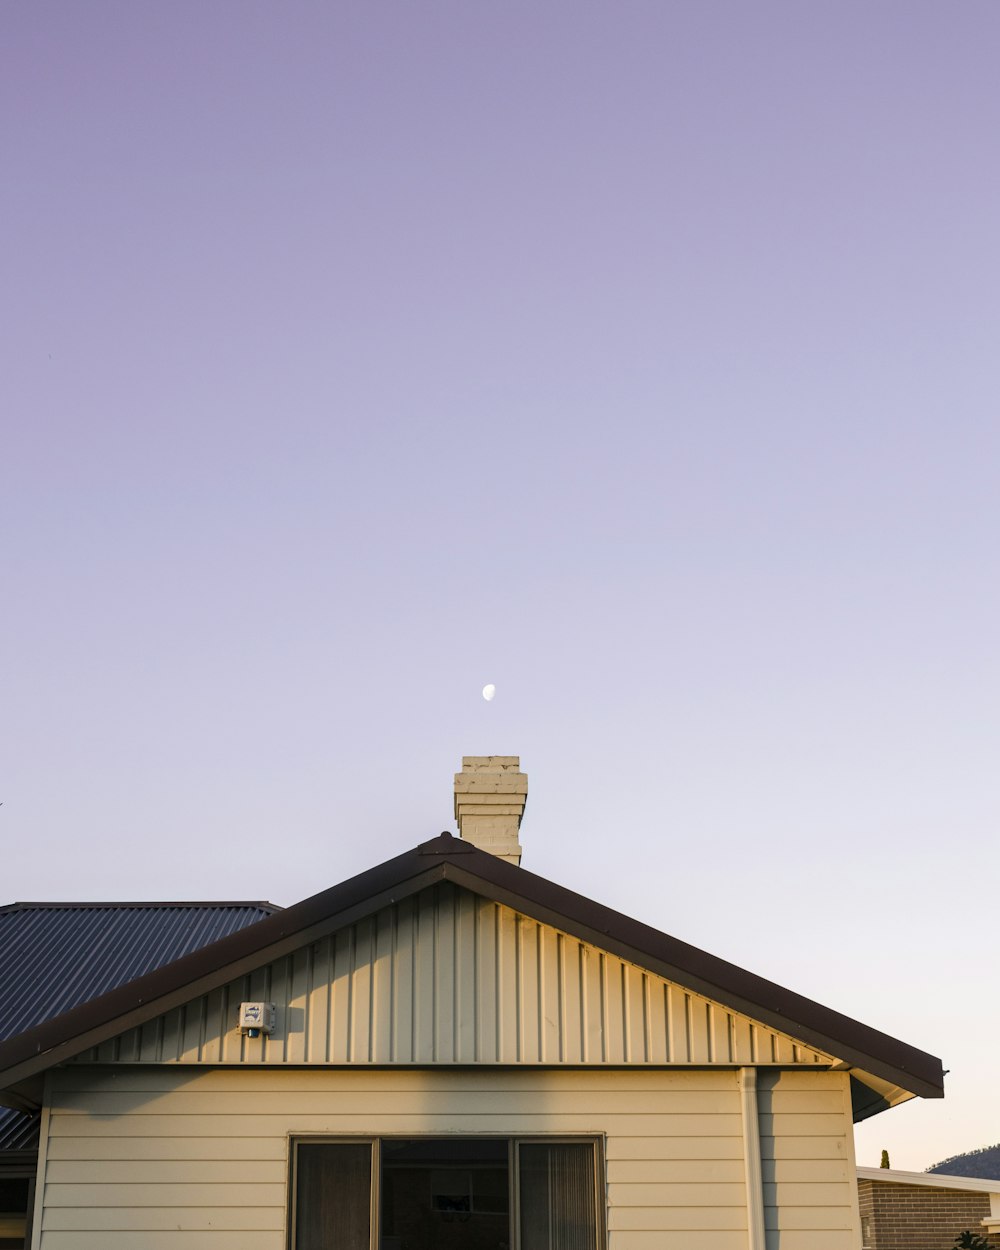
[[256, 1018]]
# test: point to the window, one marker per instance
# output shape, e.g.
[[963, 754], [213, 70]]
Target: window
[[15, 1202], [446, 1193]]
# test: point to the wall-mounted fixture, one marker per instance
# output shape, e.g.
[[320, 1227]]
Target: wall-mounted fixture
[[256, 1018]]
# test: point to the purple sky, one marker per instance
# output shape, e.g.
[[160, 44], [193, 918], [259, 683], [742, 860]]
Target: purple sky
[[639, 358]]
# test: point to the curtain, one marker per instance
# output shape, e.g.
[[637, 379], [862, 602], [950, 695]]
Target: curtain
[[557, 1196], [333, 1196]]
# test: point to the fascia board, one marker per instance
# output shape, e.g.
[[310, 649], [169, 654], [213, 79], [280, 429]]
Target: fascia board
[[801, 1018], [930, 1180]]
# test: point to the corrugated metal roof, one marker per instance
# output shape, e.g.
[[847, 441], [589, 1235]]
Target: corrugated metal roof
[[18, 1130], [54, 956]]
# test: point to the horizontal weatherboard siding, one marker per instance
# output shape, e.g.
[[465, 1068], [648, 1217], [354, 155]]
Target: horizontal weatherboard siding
[[449, 977], [807, 1163], [167, 1158]]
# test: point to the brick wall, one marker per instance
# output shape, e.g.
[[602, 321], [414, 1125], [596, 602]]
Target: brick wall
[[918, 1217]]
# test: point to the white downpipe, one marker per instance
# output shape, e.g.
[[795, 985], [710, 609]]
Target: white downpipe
[[751, 1159]]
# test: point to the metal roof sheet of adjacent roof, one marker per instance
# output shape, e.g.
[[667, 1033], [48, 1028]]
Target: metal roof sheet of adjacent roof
[[18, 1130], [55, 956], [448, 859]]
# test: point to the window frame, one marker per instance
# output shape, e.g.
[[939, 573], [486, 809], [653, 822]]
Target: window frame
[[595, 1140]]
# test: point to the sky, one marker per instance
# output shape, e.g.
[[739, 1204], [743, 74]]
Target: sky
[[639, 358]]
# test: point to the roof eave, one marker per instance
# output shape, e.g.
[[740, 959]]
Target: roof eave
[[852, 1042], [446, 858]]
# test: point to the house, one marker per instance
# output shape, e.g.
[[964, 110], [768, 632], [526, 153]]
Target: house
[[449, 1052], [924, 1210]]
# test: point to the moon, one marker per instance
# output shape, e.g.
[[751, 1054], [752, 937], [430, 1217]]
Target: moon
[[489, 691]]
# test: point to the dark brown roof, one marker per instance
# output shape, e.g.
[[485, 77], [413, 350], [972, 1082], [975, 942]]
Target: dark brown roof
[[449, 859]]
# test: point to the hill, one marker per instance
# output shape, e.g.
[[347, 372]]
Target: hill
[[983, 1163]]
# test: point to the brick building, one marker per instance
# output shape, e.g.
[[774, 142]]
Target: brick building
[[924, 1210]]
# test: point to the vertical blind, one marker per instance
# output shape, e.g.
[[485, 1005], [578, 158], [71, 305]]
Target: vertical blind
[[333, 1187], [557, 1196]]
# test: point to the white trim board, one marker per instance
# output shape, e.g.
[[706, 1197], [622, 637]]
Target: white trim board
[[930, 1180]]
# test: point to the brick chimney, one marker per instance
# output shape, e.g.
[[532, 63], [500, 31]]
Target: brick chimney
[[490, 794]]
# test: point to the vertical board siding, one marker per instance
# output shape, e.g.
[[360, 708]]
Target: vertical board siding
[[197, 1159], [452, 978]]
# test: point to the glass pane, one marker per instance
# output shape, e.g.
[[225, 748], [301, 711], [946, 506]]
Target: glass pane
[[13, 1212], [333, 1196], [557, 1196], [445, 1194]]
